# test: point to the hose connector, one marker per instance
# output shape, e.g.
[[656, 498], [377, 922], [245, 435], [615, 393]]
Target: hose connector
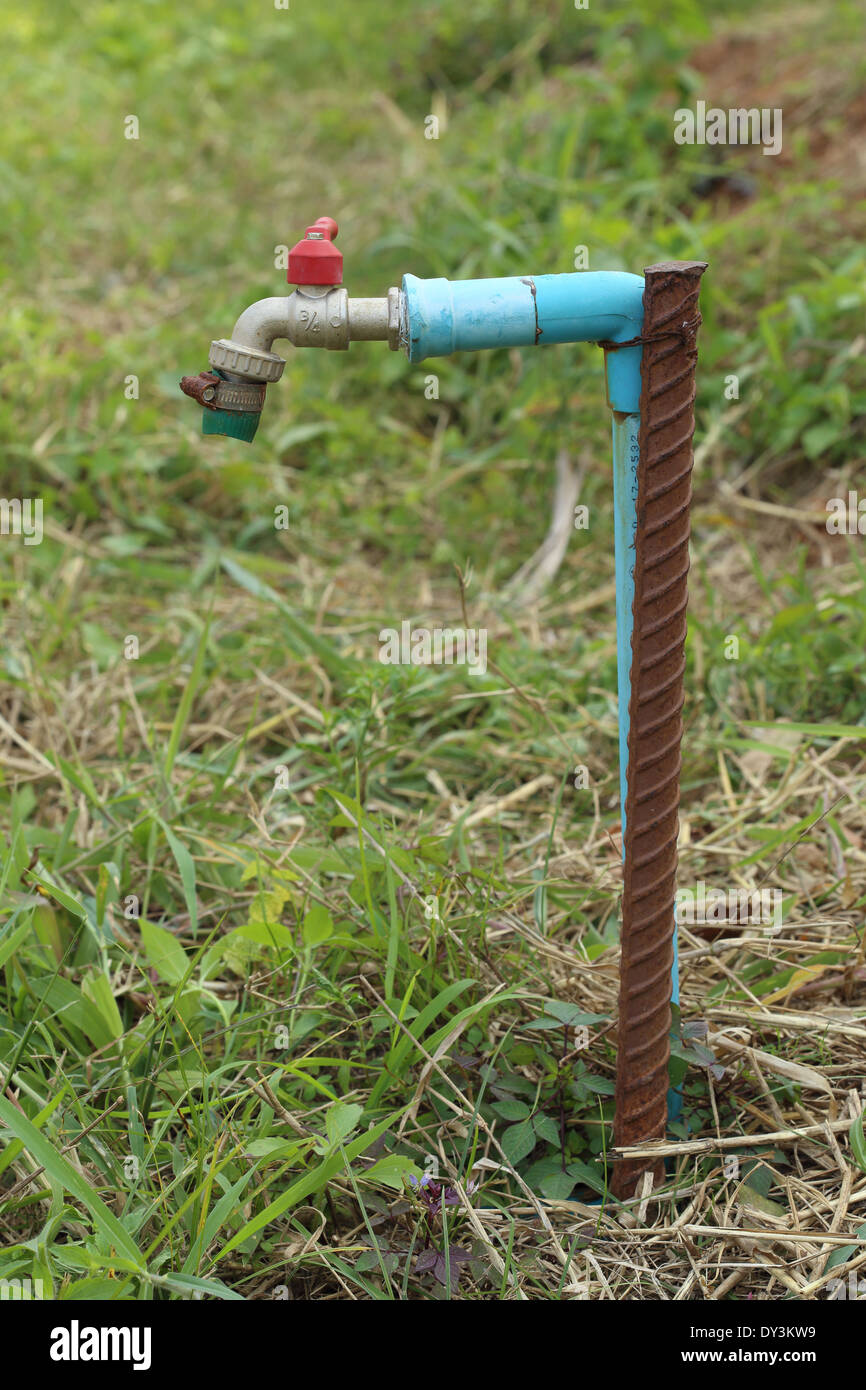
[[232, 408], [318, 313]]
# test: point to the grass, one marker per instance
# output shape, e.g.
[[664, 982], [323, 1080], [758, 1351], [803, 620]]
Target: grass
[[281, 927]]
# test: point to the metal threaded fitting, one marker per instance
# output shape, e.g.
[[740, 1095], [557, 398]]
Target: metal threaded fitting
[[228, 356]]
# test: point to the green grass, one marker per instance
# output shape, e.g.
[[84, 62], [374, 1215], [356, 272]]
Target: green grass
[[262, 958]]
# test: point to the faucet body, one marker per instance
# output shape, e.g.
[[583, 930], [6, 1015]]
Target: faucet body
[[318, 316], [647, 326]]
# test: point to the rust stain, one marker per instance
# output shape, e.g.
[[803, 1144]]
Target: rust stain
[[655, 711], [201, 388]]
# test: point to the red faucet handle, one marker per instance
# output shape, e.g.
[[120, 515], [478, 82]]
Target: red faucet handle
[[316, 260], [326, 225]]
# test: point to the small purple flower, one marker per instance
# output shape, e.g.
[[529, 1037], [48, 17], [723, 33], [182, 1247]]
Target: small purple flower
[[436, 1195]]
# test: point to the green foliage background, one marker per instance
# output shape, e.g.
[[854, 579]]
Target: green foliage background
[[258, 648]]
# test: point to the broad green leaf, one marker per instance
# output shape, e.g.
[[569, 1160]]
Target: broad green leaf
[[392, 1171], [272, 933], [546, 1129], [518, 1141], [318, 925], [601, 1085], [586, 1173], [164, 952], [512, 1109], [559, 1186], [340, 1120], [273, 1148]]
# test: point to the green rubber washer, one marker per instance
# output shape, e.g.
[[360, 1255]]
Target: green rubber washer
[[237, 424]]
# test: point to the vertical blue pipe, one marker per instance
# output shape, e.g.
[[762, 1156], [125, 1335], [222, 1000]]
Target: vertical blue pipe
[[625, 473]]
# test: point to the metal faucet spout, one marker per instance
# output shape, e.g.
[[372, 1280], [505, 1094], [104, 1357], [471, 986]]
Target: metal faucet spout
[[262, 323]]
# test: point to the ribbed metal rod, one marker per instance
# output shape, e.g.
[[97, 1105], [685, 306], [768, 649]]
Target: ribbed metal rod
[[661, 562]]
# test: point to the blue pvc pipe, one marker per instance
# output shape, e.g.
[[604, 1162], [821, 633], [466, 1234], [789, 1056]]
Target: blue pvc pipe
[[444, 316], [625, 461]]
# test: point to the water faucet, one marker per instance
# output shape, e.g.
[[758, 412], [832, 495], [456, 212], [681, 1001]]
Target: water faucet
[[647, 325], [318, 313]]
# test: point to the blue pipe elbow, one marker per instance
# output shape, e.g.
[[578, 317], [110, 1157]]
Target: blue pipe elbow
[[445, 316]]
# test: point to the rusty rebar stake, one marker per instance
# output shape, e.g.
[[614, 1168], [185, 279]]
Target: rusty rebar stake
[[661, 565]]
